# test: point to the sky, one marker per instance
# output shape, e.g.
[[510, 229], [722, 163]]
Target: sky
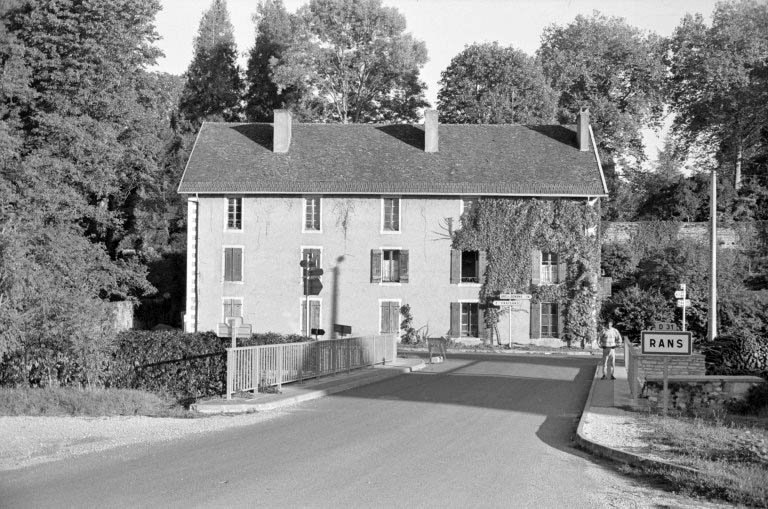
[[446, 26]]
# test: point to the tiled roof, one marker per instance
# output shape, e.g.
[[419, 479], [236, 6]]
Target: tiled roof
[[363, 158]]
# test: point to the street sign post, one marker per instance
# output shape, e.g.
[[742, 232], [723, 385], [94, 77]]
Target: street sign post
[[682, 302], [515, 296], [666, 343]]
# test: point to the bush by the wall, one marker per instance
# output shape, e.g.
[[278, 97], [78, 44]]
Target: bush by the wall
[[745, 354]]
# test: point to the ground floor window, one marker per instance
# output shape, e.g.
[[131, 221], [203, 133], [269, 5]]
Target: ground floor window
[[314, 315], [469, 319], [390, 316], [549, 320], [233, 308]]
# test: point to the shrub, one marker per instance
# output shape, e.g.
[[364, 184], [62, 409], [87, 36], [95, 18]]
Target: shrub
[[745, 354], [634, 310]]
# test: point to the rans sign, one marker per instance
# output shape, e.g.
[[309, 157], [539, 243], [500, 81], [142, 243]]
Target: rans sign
[[666, 343]]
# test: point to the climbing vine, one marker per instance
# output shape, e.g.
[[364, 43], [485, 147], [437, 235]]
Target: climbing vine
[[510, 229]]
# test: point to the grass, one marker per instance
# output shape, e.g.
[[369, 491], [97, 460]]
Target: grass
[[57, 401], [729, 453]]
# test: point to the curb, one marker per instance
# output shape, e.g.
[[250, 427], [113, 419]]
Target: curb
[[382, 374], [617, 455]]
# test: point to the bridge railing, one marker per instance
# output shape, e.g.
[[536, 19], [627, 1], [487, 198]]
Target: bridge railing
[[251, 368]]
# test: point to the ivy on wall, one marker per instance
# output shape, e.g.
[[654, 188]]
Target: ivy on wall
[[510, 229]]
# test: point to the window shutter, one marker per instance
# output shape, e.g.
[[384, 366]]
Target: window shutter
[[404, 266], [535, 320], [384, 311], [375, 265], [455, 331], [394, 317], [482, 263], [562, 268], [560, 320], [314, 311], [536, 267], [455, 266], [481, 328], [237, 265]]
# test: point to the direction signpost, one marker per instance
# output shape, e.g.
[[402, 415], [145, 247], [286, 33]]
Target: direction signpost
[[682, 301], [312, 286]]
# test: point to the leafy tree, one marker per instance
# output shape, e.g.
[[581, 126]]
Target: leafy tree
[[274, 34], [611, 67], [634, 310], [491, 84], [718, 81], [352, 61], [214, 86]]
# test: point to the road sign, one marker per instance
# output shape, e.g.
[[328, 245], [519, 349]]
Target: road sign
[[666, 343], [506, 303], [665, 326], [683, 303], [515, 296], [308, 264], [314, 272], [317, 332], [342, 329], [680, 294], [312, 286]]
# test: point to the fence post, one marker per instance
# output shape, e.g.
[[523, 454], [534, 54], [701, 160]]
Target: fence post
[[279, 368], [258, 369], [348, 345], [230, 371]]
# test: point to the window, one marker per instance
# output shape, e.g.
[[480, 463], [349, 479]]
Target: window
[[233, 264], [312, 255], [389, 266], [312, 214], [233, 308], [549, 271], [468, 203], [467, 266], [469, 319], [390, 316], [470, 267], [390, 214], [234, 213], [549, 320], [314, 311]]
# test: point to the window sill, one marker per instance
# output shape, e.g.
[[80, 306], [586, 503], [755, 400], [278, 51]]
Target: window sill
[[470, 285], [233, 230], [311, 231], [390, 283], [390, 232], [234, 282]]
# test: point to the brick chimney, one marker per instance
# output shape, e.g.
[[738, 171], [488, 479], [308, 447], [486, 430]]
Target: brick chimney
[[281, 132], [430, 130], [582, 130]]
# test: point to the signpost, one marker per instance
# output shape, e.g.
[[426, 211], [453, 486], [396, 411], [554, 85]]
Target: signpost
[[233, 330], [312, 286], [666, 343], [682, 302]]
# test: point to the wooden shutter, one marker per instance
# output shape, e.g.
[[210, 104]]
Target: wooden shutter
[[403, 265], [375, 265], [536, 267], [482, 264], [562, 268], [237, 265], [535, 320], [561, 320], [455, 331], [227, 264], [314, 312], [455, 266], [481, 329], [394, 317]]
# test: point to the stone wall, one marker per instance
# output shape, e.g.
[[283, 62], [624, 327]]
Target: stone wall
[[621, 233], [699, 393], [648, 366]]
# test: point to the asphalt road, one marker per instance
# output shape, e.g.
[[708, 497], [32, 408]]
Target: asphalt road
[[476, 431]]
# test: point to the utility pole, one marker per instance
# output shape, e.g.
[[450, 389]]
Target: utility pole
[[712, 318]]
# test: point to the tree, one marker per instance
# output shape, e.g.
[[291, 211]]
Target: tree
[[274, 34], [491, 84], [612, 68], [214, 86], [352, 61], [718, 82]]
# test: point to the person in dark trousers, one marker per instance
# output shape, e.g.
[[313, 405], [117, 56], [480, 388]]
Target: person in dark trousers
[[609, 340]]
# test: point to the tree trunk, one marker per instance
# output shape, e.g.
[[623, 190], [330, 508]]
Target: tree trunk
[[737, 173]]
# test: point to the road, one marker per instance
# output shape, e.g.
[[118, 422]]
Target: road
[[476, 431]]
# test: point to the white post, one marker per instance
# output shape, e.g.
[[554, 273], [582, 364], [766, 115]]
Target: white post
[[666, 385], [712, 315]]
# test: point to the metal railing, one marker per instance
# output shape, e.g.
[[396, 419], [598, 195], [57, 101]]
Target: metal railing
[[250, 368]]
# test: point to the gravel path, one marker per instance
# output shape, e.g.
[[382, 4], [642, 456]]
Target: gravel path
[[33, 440]]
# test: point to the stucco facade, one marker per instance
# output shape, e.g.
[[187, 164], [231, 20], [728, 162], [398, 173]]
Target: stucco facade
[[273, 239]]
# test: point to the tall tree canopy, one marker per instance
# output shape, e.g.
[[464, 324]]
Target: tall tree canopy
[[611, 67], [214, 86], [718, 83], [274, 34], [82, 126], [490, 84], [353, 62]]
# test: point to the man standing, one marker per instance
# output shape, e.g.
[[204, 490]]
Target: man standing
[[609, 340]]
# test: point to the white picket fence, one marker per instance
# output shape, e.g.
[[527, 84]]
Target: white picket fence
[[250, 368]]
